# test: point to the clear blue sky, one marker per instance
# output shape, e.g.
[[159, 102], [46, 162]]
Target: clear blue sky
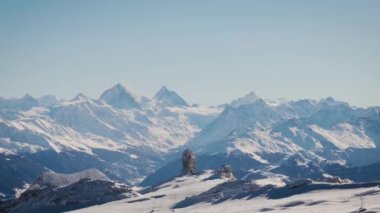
[[208, 51]]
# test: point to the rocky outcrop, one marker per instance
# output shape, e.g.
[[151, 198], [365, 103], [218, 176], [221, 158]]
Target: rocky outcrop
[[226, 171], [333, 179], [58, 192], [188, 162]]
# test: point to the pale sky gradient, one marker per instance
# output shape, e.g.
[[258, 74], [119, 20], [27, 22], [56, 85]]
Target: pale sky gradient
[[209, 51]]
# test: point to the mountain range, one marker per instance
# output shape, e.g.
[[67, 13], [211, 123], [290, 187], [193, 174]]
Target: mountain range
[[138, 140]]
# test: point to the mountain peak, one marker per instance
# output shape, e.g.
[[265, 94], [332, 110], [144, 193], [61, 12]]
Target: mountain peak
[[120, 86], [118, 96], [80, 97], [48, 100], [28, 97], [328, 100], [169, 97], [251, 97], [163, 89]]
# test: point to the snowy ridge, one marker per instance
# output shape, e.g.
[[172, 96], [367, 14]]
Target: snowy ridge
[[200, 193], [128, 137], [138, 132], [170, 98], [256, 127], [62, 192], [247, 99], [119, 97], [52, 179]]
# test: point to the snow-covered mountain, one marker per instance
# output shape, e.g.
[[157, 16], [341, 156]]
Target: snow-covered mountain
[[119, 97], [130, 137], [123, 135], [54, 192], [302, 138], [247, 99], [170, 98], [325, 128], [203, 192]]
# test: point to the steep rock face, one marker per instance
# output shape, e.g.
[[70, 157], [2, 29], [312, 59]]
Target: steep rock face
[[188, 162]]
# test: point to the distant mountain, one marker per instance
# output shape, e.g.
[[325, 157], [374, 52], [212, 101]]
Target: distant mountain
[[123, 135], [309, 125], [23, 103], [119, 97], [170, 98], [247, 99], [299, 139], [48, 100], [129, 137]]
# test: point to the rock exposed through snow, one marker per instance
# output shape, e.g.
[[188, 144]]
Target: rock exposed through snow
[[188, 162], [61, 192]]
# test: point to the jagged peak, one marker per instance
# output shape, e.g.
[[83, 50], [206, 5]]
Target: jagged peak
[[251, 97], [118, 89], [169, 97], [120, 97], [80, 97], [163, 89], [252, 94], [28, 97], [48, 100], [121, 87]]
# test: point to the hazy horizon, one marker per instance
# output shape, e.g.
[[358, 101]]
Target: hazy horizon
[[209, 52]]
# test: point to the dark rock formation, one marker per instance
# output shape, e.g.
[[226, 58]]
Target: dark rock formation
[[188, 161], [226, 171], [54, 192], [333, 179]]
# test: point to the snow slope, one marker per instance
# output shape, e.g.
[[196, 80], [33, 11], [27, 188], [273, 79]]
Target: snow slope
[[54, 192], [52, 179], [201, 194], [325, 128], [123, 135], [129, 137], [170, 98]]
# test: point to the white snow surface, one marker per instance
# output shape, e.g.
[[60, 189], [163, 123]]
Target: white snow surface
[[165, 198], [52, 179], [84, 124], [256, 126], [247, 99]]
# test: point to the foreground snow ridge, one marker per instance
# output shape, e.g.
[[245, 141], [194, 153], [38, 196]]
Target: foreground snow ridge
[[200, 193], [54, 192]]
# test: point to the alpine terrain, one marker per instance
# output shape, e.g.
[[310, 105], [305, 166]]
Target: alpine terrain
[[164, 154]]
